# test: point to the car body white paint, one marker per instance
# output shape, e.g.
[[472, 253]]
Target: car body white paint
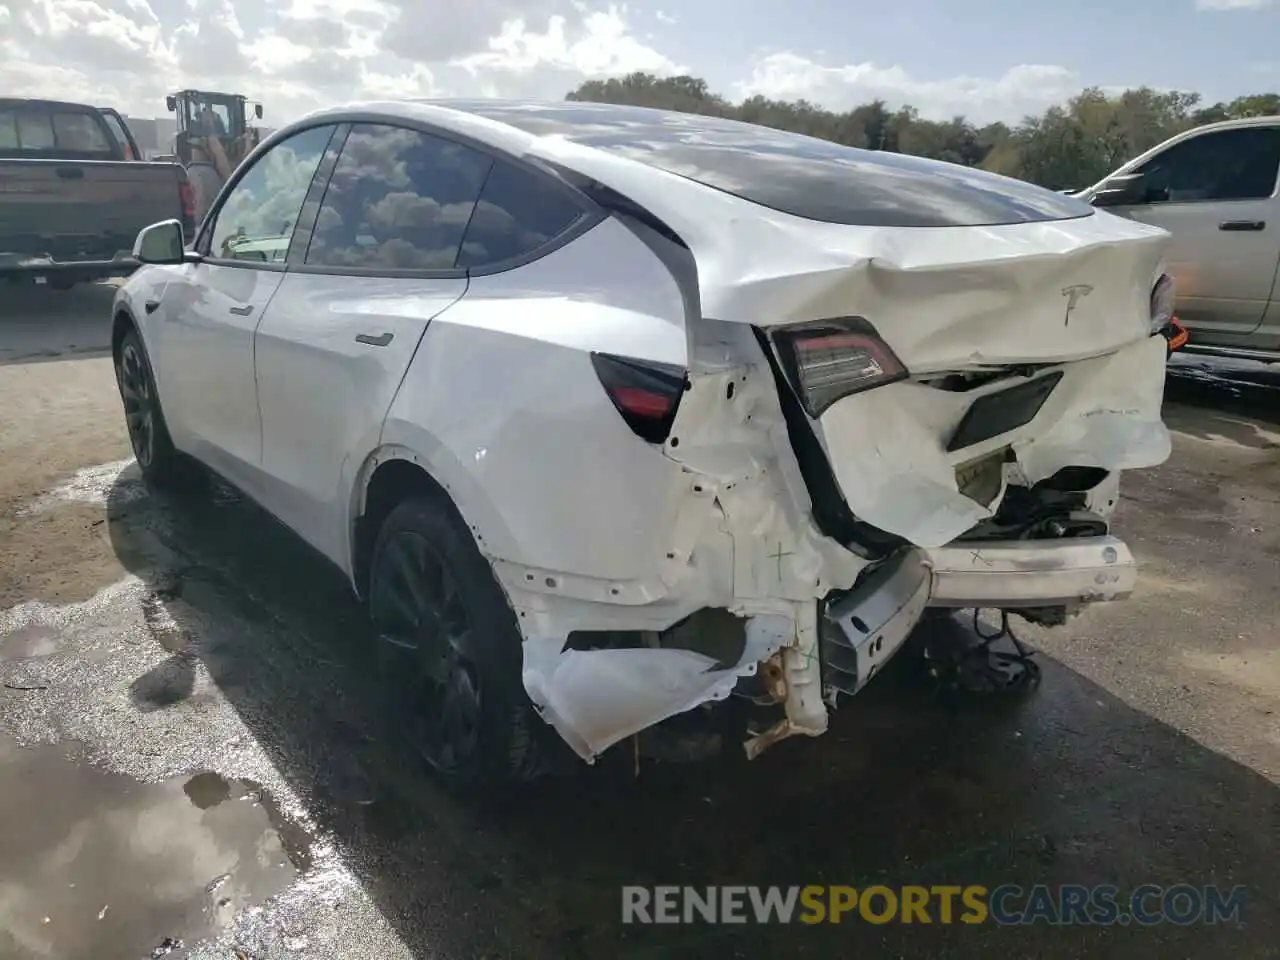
[[489, 387]]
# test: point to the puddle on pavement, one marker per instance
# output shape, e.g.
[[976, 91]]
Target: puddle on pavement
[[96, 864]]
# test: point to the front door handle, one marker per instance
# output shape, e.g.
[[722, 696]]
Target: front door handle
[[71, 173], [243, 311], [1242, 225], [379, 341]]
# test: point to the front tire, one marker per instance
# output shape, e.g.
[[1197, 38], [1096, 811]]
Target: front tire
[[449, 650], [162, 466]]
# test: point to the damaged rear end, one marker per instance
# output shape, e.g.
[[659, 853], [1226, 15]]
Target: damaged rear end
[[873, 421]]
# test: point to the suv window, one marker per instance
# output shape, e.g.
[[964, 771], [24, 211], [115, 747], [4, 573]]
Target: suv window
[[516, 215], [257, 218], [398, 200], [1228, 165]]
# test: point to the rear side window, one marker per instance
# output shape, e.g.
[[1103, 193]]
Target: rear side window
[[8, 131], [516, 215], [398, 200], [1240, 164]]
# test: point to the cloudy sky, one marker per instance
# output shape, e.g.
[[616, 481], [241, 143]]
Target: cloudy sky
[[990, 59]]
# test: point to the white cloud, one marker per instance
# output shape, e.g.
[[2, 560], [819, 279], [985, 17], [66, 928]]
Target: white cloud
[[1234, 4], [1020, 90], [296, 55]]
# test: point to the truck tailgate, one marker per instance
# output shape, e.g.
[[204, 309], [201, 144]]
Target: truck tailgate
[[81, 211]]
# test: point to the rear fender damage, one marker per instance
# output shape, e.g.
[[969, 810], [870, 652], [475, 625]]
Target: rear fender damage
[[742, 540]]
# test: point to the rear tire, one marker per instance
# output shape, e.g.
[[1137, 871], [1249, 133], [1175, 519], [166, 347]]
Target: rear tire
[[450, 652], [162, 466]]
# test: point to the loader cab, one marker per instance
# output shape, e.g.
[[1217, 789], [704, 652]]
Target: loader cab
[[202, 115]]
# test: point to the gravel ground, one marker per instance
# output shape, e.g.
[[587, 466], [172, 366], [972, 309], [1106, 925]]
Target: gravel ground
[[195, 765]]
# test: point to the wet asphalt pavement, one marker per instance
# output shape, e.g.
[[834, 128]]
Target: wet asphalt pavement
[[194, 763]]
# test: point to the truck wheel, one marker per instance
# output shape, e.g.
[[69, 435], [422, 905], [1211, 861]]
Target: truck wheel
[[161, 464], [449, 650]]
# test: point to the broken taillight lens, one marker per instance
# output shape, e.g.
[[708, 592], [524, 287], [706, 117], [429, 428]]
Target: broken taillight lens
[[647, 394], [835, 358]]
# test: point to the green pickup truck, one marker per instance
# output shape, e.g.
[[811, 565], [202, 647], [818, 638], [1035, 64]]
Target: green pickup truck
[[73, 196]]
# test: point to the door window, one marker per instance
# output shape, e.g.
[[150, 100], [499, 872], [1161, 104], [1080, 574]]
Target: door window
[[398, 200], [1237, 164], [517, 214], [259, 214]]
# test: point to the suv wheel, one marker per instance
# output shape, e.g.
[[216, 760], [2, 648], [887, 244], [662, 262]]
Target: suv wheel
[[449, 650]]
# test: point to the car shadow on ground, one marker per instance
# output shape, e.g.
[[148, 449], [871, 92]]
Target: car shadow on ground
[[1071, 786]]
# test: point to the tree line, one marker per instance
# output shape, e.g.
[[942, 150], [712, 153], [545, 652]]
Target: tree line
[[1069, 146]]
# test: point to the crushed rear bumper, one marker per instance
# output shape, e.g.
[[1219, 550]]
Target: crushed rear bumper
[[862, 629]]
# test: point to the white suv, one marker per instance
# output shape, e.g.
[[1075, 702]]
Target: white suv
[[604, 410]]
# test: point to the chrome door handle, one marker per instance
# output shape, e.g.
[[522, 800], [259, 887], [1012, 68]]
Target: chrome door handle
[[379, 341], [242, 311]]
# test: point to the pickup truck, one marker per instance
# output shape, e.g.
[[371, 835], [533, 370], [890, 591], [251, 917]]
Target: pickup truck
[[71, 199], [1216, 189]]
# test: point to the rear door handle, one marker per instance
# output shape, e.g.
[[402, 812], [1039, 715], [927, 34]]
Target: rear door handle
[[1242, 225], [71, 173], [379, 341], [242, 311]]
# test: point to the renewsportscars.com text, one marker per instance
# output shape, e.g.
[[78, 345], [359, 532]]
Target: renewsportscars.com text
[[1068, 904]]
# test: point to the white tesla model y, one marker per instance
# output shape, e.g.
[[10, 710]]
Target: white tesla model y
[[609, 413]]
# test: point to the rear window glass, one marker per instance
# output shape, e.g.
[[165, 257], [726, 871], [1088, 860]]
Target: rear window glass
[[35, 130], [799, 175]]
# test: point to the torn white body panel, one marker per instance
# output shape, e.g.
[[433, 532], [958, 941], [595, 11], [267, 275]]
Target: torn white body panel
[[888, 446], [597, 697]]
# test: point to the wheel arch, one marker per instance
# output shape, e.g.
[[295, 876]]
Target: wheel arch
[[122, 321], [395, 472]]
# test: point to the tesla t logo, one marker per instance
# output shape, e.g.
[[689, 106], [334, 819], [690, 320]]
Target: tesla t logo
[[1074, 295]]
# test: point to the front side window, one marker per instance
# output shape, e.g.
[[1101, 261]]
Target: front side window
[[516, 215], [398, 200], [259, 215], [1238, 164]]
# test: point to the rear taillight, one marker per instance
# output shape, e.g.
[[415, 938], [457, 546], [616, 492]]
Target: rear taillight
[[835, 358], [647, 394]]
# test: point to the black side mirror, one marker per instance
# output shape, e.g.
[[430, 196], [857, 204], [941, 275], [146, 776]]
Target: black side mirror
[[1121, 191], [170, 104], [257, 110], [161, 243]]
